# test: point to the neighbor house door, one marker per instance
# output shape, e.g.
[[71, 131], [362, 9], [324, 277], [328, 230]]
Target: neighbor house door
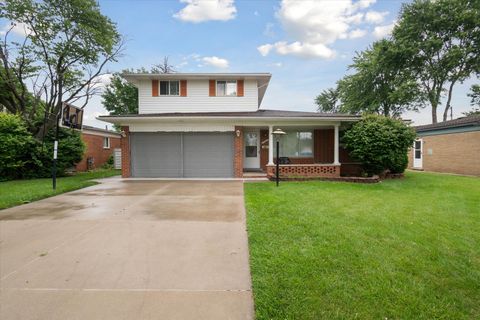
[[251, 152], [418, 153]]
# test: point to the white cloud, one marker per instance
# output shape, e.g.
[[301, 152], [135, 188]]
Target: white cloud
[[383, 31], [205, 10], [314, 25], [357, 33], [299, 49], [216, 62], [375, 17]]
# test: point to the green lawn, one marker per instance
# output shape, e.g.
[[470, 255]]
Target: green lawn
[[17, 192], [400, 249]]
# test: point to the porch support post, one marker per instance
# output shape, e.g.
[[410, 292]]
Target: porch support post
[[336, 146], [270, 145]]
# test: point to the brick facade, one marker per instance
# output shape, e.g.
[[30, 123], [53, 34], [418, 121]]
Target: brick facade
[[451, 153], [238, 153], [305, 170], [94, 149], [125, 143]]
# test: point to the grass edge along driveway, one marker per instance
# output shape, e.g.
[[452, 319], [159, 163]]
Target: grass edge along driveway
[[16, 192], [400, 249]]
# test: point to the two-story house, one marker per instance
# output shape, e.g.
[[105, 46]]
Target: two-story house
[[211, 125]]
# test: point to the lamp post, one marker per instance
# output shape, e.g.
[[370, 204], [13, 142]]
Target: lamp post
[[277, 134]]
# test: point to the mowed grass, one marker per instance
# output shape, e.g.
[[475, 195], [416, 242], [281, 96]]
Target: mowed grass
[[17, 192], [400, 249]]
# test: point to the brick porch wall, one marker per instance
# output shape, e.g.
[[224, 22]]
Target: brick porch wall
[[305, 170], [125, 145], [238, 153]]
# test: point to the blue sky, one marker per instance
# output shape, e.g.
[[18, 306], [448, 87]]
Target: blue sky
[[307, 46]]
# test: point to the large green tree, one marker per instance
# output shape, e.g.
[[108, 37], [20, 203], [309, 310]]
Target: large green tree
[[442, 41], [379, 83], [120, 96], [59, 58]]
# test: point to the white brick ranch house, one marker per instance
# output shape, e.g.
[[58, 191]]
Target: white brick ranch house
[[211, 125]]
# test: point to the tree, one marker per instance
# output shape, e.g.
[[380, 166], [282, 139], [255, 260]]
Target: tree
[[120, 96], [442, 39], [380, 83], [475, 95], [327, 101], [66, 46], [163, 67]]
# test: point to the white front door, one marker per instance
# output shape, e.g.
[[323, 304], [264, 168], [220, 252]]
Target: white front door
[[418, 153], [251, 149]]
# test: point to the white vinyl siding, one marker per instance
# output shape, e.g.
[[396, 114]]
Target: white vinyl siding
[[197, 99]]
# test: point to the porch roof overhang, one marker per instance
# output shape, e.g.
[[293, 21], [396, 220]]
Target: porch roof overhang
[[257, 117]]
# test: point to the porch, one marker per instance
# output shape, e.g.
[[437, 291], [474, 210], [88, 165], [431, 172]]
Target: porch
[[305, 151]]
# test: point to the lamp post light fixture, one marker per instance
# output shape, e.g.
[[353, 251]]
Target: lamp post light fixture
[[277, 133]]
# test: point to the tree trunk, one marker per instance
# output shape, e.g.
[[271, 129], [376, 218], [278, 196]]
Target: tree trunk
[[434, 112], [449, 99]]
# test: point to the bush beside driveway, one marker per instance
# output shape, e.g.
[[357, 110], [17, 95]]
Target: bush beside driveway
[[400, 249]]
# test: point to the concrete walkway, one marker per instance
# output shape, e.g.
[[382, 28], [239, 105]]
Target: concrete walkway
[[128, 250]]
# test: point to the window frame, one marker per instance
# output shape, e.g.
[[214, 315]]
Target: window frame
[[107, 146], [169, 88], [226, 86]]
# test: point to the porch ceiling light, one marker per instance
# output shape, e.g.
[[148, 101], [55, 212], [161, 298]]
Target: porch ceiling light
[[278, 131]]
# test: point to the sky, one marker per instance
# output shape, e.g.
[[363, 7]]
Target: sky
[[306, 45]]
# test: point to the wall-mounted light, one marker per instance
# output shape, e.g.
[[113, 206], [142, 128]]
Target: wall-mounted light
[[123, 134], [238, 133]]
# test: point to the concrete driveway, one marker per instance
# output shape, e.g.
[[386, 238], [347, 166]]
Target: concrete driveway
[[128, 250]]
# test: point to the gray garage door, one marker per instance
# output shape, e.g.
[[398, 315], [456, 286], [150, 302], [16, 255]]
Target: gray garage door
[[189, 155]]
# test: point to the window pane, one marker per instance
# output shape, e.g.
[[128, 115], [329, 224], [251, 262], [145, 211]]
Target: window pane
[[221, 88], [163, 88], [305, 144], [251, 151], [418, 154], [231, 88], [418, 144], [174, 88]]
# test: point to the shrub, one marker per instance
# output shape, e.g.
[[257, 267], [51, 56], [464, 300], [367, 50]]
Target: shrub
[[16, 145], [22, 156], [109, 163], [70, 152], [380, 143]]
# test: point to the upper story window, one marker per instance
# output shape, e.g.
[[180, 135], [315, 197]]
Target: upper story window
[[226, 88], [170, 88]]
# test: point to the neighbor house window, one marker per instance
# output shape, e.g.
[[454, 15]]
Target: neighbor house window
[[297, 144], [170, 88], [106, 143], [226, 88]]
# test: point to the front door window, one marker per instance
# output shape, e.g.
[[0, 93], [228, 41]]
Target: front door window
[[251, 145]]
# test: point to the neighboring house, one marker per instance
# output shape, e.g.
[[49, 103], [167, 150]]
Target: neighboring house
[[100, 145], [210, 125], [451, 146]]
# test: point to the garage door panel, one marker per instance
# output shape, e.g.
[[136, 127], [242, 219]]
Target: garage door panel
[[208, 155], [156, 155], [171, 155]]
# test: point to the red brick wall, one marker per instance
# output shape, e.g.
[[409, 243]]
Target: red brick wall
[[125, 143], [94, 148], [238, 153], [307, 170]]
